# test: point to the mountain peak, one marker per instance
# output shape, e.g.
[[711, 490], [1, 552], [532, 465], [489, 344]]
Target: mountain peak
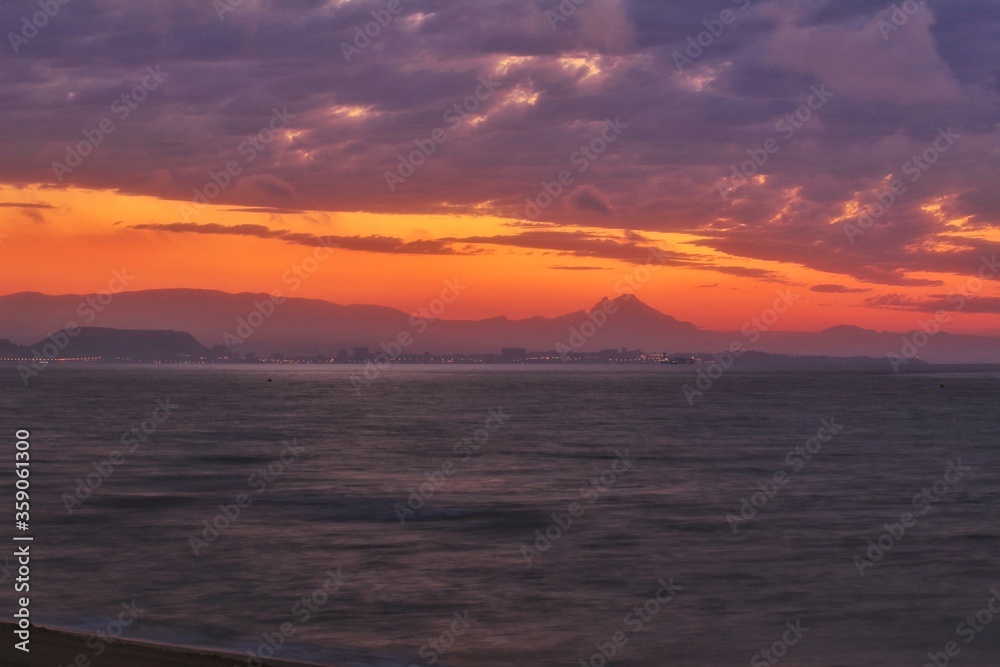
[[629, 307], [624, 301], [847, 329]]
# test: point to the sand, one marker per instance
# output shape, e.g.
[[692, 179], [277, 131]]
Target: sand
[[58, 648]]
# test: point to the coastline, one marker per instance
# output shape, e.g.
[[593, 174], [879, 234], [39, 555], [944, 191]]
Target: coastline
[[51, 647]]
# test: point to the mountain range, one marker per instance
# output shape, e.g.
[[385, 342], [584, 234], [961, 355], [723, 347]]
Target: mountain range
[[305, 327]]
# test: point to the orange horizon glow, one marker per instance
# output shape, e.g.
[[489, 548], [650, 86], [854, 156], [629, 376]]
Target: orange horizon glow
[[74, 246]]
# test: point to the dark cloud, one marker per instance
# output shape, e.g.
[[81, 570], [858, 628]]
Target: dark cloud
[[586, 244], [374, 243], [748, 272], [590, 200], [954, 302], [276, 211], [837, 289], [616, 59], [632, 248]]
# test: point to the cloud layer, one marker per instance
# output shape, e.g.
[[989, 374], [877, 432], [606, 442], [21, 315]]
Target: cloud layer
[[483, 108]]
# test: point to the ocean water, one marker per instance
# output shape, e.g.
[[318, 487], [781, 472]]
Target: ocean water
[[649, 480]]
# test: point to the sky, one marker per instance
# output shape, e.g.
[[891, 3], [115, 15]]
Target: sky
[[709, 153]]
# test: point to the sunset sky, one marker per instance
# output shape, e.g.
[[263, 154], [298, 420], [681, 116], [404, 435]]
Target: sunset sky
[[644, 108]]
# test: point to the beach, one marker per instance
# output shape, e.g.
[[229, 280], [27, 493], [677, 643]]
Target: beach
[[61, 648]]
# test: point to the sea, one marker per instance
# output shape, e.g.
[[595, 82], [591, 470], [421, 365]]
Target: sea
[[521, 516]]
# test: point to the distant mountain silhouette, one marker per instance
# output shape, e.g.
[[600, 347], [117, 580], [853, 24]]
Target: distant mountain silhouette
[[305, 327], [110, 344], [9, 349]]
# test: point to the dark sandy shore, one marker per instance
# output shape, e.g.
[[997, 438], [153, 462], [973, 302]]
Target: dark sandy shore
[[56, 648]]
